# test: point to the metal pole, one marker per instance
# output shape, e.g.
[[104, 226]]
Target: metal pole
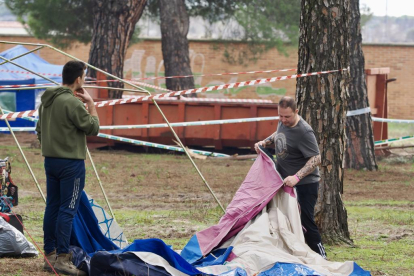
[[189, 157], [22, 55], [133, 85], [100, 184], [162, 114], [24, 157], [87, 150], [24, 68]]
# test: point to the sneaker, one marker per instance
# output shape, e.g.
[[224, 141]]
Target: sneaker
[[65, 266], [51, 260]]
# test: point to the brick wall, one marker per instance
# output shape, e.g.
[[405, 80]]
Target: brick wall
[[145, 60]]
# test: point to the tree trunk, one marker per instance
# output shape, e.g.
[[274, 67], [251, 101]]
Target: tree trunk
[[174, 29], [113, 24], [360, 143], [323, 101]]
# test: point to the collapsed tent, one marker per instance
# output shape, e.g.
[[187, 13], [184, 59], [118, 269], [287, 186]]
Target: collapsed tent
[[260, 234], [15, 100]]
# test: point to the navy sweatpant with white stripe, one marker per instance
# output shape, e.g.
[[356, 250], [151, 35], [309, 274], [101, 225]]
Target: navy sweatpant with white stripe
[[65, 180], [307, 197]]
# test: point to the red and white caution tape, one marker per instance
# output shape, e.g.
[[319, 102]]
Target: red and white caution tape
[[52, 84], [209, 100], [21, 114], [148, 85], [211, 88], [28, 73], [25, 85], [221, 74], [189, 91]]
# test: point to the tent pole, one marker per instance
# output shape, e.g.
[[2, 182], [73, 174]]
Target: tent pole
[[100, 184], [22, 55], [189, 157], [162, 114], [24, 157], [133, 85], [28, 70], [90, 157]]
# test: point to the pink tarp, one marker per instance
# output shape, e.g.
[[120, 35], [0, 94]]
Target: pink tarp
[[260, 186]]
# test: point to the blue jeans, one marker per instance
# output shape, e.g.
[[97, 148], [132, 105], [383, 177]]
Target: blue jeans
[[65, 180]]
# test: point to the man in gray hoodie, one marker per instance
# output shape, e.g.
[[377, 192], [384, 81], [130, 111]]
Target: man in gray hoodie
[[63, 125]]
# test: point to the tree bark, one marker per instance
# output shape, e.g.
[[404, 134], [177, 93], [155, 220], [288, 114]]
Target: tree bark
[[323, 101], [174, 29], [360, 143], [113, 24]]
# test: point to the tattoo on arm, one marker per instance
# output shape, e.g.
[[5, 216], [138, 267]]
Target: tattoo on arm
[[309, 167], [270, 140]]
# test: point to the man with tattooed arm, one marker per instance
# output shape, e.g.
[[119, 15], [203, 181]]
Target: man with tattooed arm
[[297, 162]]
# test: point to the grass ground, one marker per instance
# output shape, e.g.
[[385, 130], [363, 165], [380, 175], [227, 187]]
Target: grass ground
[[161, 196]]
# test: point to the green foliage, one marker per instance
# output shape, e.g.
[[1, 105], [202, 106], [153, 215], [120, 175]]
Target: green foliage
[[60, 22], [267, 24], [261, 24]]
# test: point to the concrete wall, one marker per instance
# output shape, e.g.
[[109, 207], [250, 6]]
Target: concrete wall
[[145, 60]]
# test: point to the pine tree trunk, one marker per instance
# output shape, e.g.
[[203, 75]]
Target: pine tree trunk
[[174, 29], [323, 101], [113, 24], [360, 152]]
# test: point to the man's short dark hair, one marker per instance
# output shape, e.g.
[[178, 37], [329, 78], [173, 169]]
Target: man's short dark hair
[[286, 102], [72, 70]]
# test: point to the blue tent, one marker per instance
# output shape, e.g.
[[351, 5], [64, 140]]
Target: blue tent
[[15, 100]]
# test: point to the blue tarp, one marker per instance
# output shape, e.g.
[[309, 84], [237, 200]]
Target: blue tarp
[[105, 258], [15, 100], [31, 61], [86, 233]]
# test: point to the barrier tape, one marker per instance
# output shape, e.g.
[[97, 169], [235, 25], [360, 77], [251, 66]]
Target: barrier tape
[[213, 100], [220, 74], [385, 120], [25, 85], [170, 77], [212, 88], [388, 141], [16, 86], [28, 73], [149, 144], [14, 115], [358, 111], [182, 124], [151, 78], [225, 100], [160, 146], [187, 92], [148, 85]]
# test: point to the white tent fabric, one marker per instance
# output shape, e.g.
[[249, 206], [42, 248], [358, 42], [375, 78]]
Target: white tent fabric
[[275, 235]]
